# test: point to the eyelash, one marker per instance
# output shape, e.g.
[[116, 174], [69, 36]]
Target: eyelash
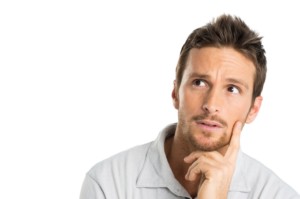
[[203, 81], [233, 86]]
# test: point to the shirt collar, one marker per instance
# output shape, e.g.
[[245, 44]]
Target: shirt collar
[[156, 171]]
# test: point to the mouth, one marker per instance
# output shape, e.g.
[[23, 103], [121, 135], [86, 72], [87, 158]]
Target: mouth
[[209, 124]]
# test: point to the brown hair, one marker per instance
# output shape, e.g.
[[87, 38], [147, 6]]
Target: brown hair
[[227, 31]]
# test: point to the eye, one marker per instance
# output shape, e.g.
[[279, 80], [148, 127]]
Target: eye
[[233, 89], [199, 83]]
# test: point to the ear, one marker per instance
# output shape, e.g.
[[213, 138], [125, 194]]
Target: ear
[[175, 95], [254, 109]]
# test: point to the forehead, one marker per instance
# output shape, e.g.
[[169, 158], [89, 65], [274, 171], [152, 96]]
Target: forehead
[[224, 62]]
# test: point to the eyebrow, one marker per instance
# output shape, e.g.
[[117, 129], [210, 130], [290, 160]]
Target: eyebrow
[[230, 80], [238, 81]]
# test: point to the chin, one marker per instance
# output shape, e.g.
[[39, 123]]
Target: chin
[[203, 143]]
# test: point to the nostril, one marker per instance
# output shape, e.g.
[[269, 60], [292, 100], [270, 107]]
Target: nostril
[[206, 108], [209, 108]]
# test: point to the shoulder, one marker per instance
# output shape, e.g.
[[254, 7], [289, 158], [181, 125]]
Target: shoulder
[[254, 169], [263, 181], [121, 164], [113, 177]]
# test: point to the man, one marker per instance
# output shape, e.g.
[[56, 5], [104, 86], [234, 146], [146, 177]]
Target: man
[[219, 80]]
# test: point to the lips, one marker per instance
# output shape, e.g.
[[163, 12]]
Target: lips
[[210, 123]]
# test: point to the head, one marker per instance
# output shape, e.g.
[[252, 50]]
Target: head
[[227, 31], [222, 56]]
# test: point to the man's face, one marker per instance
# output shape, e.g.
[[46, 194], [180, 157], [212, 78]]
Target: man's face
[[215, 92]]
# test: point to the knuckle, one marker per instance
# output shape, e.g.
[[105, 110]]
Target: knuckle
[[201, 158]]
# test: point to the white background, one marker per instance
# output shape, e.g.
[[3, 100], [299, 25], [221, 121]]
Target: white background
[[83, 80]]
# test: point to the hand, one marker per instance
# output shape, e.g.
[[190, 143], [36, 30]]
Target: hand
[[214, 170]]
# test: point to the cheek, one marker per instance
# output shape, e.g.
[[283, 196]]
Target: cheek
[[239, 113], [190, 102]]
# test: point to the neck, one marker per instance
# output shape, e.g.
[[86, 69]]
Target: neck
[[175, 153]]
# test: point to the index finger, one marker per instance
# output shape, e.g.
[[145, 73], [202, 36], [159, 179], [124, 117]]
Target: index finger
[[234, 144]]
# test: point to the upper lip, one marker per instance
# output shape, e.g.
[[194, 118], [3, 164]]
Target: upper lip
[[210, 123]]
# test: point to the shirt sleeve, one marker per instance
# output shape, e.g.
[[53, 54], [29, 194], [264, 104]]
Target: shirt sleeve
[[91, 189]]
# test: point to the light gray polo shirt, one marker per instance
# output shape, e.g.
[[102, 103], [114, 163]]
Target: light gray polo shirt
[[143, 172]]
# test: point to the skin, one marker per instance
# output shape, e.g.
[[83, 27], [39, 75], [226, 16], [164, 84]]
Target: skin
[[214, 101]]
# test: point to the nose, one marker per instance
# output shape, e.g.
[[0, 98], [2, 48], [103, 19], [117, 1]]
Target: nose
[[212, 102]]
